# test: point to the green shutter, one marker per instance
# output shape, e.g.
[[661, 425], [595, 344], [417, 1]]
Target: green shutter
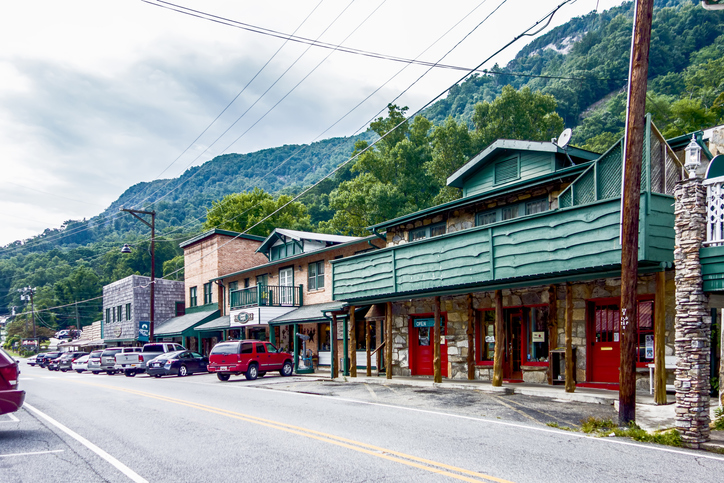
[[506, 170]]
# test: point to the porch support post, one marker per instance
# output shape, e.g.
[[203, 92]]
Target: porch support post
[[499, 340], [368, 341], [333, 346], [471, 345], [352, 344], [388, 341], [552, 326], [345, 346], [296, 347], [272, 335], [436, 346], [570, 367], [660, 339]]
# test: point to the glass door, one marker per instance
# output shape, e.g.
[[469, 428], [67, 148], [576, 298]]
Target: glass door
[[286, 286]]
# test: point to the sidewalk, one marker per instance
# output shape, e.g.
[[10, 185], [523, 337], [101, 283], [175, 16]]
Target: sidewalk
[[649, 416]]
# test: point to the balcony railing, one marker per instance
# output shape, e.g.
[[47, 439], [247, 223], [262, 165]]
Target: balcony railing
[[267, 295]]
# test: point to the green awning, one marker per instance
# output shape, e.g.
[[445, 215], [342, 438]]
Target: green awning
[[183, 323]]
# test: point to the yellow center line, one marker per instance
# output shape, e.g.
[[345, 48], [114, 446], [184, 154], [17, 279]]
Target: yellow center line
[[395, 456]]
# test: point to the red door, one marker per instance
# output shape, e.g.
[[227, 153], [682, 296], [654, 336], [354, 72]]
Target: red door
[[422, 349], [606, 346], [516, 346]]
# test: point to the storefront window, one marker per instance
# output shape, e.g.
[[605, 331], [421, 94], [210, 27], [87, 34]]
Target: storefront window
[[487, 335], [360, 333], [607, 327], [323, 337], [538, 334]]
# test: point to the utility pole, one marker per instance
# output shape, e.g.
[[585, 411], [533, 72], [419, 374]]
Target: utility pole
[[631, 198], [27, 294]]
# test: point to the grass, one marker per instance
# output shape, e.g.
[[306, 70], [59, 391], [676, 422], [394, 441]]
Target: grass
[[606, 427]]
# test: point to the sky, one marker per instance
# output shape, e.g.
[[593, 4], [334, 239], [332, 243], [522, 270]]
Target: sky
[[99, 95]]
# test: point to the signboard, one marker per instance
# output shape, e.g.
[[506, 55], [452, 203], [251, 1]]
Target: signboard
[[28, 342], [539, 336], [424, 322], [240, 319], [144, 328], [649, 346]]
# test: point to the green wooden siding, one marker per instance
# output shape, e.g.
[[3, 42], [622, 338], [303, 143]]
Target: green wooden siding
[[712, 268], [581, 239], [532, 165]]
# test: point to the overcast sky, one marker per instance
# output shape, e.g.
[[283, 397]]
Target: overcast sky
[[98, 95]]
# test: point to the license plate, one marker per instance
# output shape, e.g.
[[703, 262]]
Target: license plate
[[224, 368]]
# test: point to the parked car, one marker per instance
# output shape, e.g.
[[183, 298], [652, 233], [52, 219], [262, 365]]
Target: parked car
[[108, 358], [80, 364], [11, 398], [94, 361], [65, 362], [52, 363], [47, 357], [252, 358], [132, 364], [32, 360], [179, 363]]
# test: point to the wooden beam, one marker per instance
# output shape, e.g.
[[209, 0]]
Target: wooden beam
[[471, 342], [368, 341], [570, 363], [437, 370], [388, 341], [333, 346], [352, 344], [552, 326], [660, 339], [499, 340]]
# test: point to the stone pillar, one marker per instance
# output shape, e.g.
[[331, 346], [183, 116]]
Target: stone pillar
[[693, 320]]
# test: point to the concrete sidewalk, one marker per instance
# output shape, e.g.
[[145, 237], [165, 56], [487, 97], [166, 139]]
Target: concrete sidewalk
[[649, 416]]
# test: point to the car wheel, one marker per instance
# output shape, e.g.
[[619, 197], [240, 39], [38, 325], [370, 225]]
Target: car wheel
[[223, 377], [286, 369], [252, 372], [96, 373], [157, 375], [78, 371], [64, 370], [182, 371], [130, 373], [110, 373]]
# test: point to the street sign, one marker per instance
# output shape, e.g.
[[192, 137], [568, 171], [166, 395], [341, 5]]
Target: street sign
[[144, 327]]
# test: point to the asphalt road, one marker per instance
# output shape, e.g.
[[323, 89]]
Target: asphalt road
[[83, 427]]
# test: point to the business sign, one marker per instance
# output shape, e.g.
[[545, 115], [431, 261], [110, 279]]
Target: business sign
[[28, 342], [243, 318], [424, 322], [144, 329]]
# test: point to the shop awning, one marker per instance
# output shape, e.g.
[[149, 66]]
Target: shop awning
[[179, 325], [221, 323], [91, 343], [308, 313]]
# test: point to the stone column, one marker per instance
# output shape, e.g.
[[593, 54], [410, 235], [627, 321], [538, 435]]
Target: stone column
[[693, 321]]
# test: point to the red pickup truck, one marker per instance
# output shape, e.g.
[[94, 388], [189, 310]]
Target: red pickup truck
[[252, 358]]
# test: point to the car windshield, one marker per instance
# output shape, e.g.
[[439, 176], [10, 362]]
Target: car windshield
[[153, 348], [83, 359]]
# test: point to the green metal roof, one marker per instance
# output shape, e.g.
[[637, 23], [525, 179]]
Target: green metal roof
[[307, 313], [180, 324], [283, 234], [220, 323], [216, 231], [680, 142]]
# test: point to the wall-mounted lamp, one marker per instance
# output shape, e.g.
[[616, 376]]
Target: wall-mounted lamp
[[693, 157]]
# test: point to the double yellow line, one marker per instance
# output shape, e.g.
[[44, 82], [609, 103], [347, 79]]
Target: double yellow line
[[379, 452]]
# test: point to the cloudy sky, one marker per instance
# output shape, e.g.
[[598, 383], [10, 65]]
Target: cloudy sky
[[98, 95]]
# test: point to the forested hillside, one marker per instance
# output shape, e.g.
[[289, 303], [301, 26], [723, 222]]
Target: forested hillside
[[574, 76]]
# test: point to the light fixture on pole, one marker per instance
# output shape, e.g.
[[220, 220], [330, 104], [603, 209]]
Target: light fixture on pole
[[127, 249], [693, 157]]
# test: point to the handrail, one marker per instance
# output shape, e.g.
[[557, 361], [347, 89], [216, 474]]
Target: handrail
[[378, 348]]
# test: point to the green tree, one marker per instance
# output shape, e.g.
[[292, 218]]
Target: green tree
[[452, 147]]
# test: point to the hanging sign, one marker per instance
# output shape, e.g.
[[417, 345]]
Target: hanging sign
[[424, 322], [144, 328]]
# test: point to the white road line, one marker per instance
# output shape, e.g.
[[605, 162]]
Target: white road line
[[12, 417], [113, 461], [483, 420], [31, 454]]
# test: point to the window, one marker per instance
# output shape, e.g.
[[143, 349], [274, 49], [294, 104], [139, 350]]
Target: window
[[323, 337], [180, 309], [193, 302], [246, 347], [536, 206], [362, 336], [485, 218], [234, 286], [128, 311], [207, 293], [284, 250], [506, 170], [428, 231], [246, 283], [270, 348], [486, 335], [262, 280], [606, 326], [537, 335], [316, 275], [260, 349], [119, 313], [108, 315], [508, 212]]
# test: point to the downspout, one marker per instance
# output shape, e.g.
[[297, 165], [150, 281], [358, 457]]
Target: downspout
[[378, 235]]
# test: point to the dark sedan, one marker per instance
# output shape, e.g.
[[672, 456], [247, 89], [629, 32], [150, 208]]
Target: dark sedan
[[65, 362], [179, 363]]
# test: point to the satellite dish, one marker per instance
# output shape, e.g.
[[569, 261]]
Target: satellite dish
[[564, 138]]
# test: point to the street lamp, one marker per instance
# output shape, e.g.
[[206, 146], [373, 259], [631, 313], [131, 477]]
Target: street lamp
[[693, 157], [127, 249]]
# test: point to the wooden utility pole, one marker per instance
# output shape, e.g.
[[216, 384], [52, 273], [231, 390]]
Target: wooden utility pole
[[470, 333], [436, 342], [352, 344], [388, 341], [631, 197], [499, 340]]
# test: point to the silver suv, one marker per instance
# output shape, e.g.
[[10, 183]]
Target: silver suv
[[108, 358]]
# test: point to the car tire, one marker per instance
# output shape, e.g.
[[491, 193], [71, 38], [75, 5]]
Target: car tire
[[182, 371], [110, 373], [130, 373], [96, 372], [64, 370], [223, 377], [252, 372], [287, 369], [157, 375], [78, 371]]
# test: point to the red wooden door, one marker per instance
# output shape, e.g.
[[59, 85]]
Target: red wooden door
[[422, 350], [606, 346], [516, 346]]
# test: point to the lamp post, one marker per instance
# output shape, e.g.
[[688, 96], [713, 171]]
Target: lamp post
[[127, 249], [693, 157]]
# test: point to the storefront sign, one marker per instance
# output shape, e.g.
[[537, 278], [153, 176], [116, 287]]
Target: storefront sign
[[539, 337], [423, 322], [649, 346], [144, 327], [243, 318]]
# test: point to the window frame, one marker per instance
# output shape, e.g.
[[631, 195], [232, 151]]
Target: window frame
[[193, 297], [128, 311], [427, 230], [521, 206], [208, 293], [316, 281]]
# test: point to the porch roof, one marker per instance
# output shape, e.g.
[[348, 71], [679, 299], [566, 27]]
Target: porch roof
[[307, 313], [179, 325], [220, 323]]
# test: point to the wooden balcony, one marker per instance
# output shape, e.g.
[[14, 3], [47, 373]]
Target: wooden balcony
[[267, 296]]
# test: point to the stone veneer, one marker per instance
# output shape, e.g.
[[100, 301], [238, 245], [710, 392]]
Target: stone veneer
[[693, 322]]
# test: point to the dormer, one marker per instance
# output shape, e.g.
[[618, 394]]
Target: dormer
[[507, 163], [283, 243]]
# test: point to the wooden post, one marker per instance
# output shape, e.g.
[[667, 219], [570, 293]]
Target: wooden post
[[660, 339], [437, 370], [368, 341], [333, 346], [471, 343], [295, 329], [631, 197], [378, 331], [552, 326], [388, 341], [352, 344], [570, 366], [499, 340]]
